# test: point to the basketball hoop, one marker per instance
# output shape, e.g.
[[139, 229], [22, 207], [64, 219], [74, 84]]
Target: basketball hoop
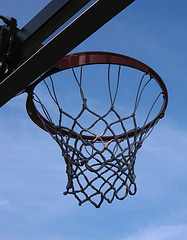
[[99, 164]]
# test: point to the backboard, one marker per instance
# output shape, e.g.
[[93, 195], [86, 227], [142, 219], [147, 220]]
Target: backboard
[[31, 63]]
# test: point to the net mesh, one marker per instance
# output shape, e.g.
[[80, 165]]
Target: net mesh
[[99, 167]]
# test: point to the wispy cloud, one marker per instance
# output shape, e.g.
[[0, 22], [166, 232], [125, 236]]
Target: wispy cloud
[[4, 203], [164, 232], [167, 136]]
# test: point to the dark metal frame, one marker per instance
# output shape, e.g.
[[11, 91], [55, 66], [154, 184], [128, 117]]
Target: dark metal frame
[[48, 20], [58, 12]]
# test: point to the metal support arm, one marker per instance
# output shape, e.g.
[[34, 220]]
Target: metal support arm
[[71, 36]]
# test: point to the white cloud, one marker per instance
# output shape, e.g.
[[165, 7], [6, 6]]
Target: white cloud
[[167, 138], [161, 166], [4, 202], [164, 232], [55, 238]]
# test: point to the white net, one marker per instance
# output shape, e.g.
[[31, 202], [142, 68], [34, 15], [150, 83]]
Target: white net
[[99, 147]]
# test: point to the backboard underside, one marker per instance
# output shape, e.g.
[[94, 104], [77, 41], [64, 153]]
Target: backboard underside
[[56, 13]]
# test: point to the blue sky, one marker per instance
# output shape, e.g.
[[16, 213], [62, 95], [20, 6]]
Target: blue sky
[[32, 171]]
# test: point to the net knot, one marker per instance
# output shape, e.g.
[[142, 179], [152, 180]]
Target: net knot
[[84, 105]]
